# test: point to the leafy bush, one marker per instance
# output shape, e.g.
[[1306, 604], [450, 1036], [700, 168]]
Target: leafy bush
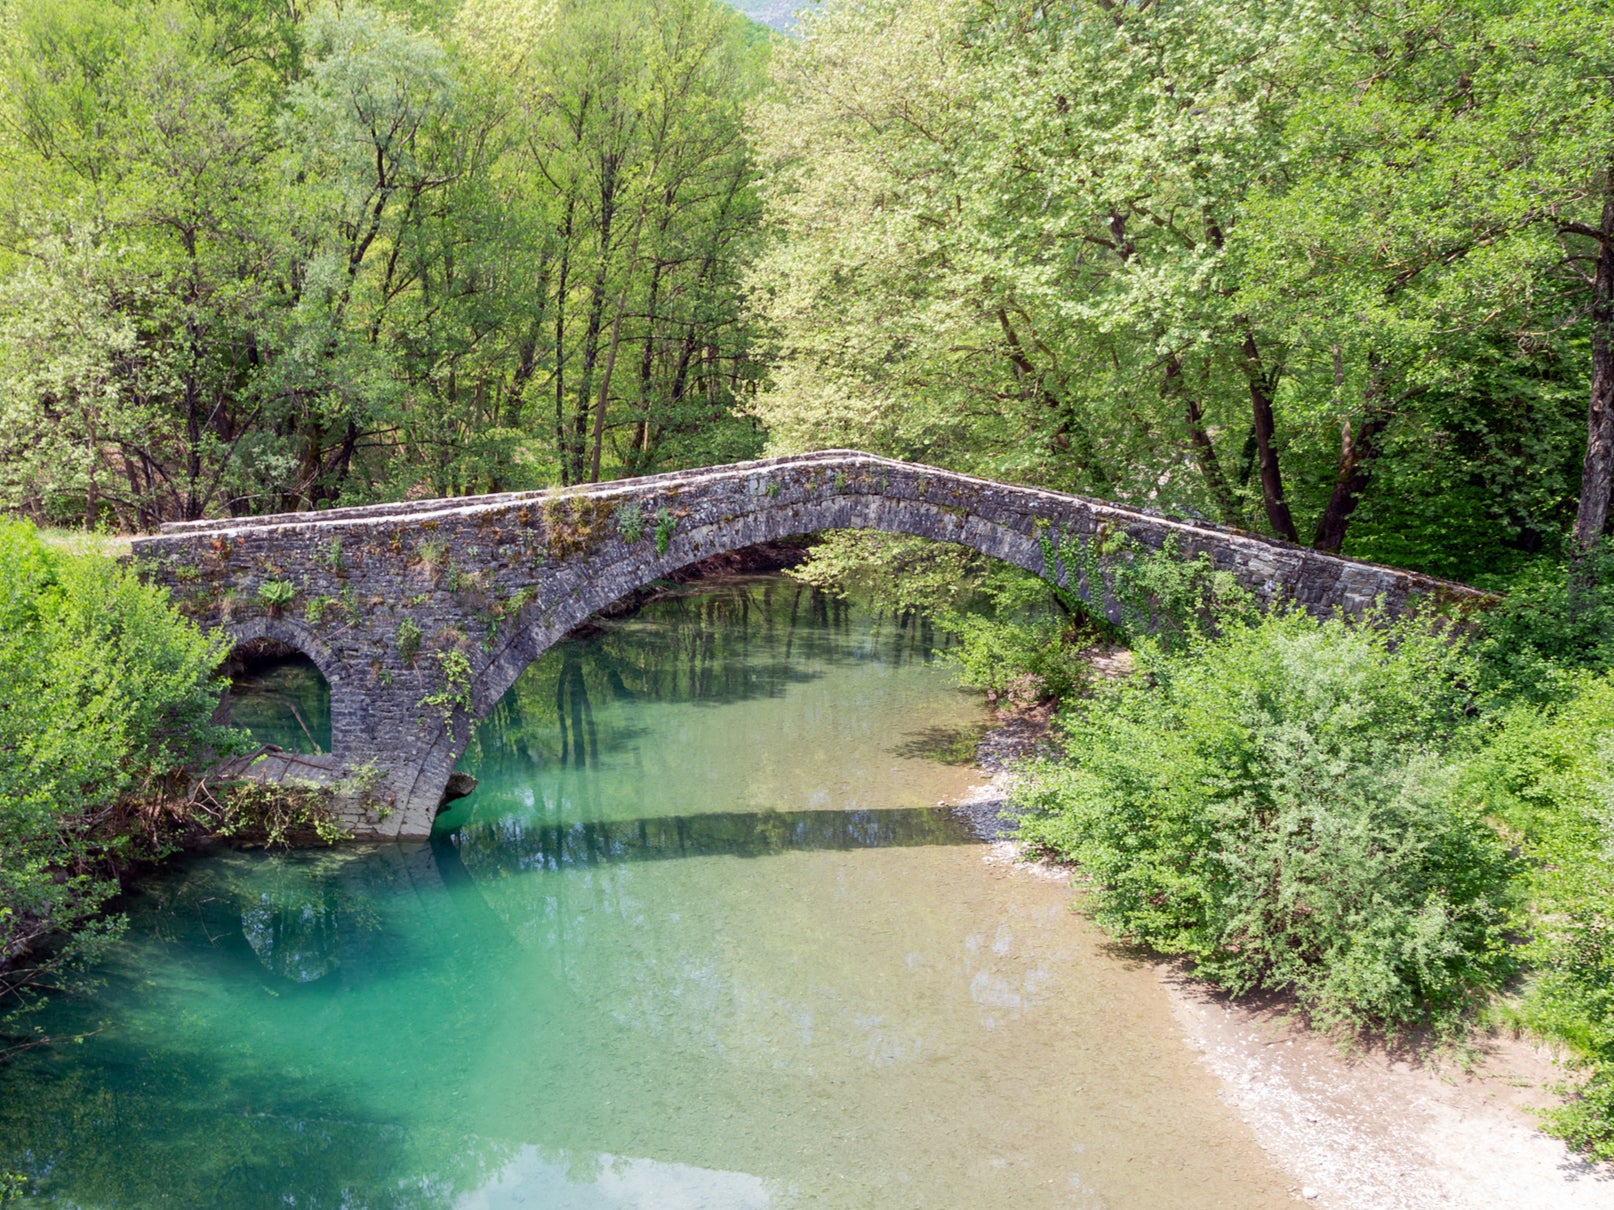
[[1161, 595], [630, 521], [105, 693], [666, 523], [1556, 620], [1273, 804], [277, 594], [1023, 661], [1547, 775]]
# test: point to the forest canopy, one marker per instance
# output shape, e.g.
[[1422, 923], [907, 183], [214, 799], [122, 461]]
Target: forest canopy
[[1332, 272], [264, 257]]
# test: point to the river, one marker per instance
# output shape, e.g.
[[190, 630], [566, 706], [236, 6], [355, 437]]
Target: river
[[701, 938]]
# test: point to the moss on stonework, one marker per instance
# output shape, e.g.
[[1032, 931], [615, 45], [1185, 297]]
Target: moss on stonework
[[575, 524]]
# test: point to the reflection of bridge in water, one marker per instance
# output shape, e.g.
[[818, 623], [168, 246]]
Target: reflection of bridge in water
[[421, 615]]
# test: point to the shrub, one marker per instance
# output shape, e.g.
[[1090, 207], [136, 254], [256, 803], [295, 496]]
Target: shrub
[[277, 594], [630, 521], [1556, 620], [666, 523], [1024, 660], [1272, 803], [1545, 774], [105, 693], [408, 641]]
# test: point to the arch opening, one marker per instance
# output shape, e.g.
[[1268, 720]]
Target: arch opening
[[279, 696], [790, 701]]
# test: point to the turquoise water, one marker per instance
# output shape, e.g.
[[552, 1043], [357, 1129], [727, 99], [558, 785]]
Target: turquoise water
[[701, 938], [286, 703]]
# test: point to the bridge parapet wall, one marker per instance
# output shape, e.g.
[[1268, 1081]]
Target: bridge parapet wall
[[422, 614]]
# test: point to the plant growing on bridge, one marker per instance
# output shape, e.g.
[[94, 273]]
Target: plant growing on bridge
[[666, 523], [456, 691], [630, 521], [317, 607], [329, 555], [407, 641], [277, 594], [572, 524]]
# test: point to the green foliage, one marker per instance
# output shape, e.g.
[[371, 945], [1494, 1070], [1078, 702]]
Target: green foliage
[[274, 814], [407, 640], [897, 572], [1555, 621], [1272, 803], [277, 594], [1374, 245], [665, 524], [105, 693], [368, 242], [1018, 662], [1162, 597], [455, 694], [329, 555], [431, 552], [630, 521], [1545, 775], [317, 607]]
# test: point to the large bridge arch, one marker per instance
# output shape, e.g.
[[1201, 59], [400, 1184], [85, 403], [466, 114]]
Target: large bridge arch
[[421, 615], [602, 582]]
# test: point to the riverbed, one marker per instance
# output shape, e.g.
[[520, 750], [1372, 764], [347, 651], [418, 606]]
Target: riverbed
[[702, 937]]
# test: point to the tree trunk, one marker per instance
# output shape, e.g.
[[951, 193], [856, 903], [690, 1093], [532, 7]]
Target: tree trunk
[[615, 342], [1204, 450], [1070, 436], [560, 340], [1263, 381], [1597, 475], [1357, 451], [92, 495]]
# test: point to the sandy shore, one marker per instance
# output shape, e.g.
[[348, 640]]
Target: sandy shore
[[1358, 1131]]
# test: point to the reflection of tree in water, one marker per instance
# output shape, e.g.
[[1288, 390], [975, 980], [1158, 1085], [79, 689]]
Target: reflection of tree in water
[[284, 701], [299, 915], [726, 642], [130, 1119], [151, 1127], [296, 938]]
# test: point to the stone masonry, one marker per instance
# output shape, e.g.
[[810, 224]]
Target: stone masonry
[[421, 614]]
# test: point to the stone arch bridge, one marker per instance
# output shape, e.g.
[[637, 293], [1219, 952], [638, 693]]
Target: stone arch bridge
[[420, 615]]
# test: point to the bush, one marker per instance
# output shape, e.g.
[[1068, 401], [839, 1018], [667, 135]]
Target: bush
[[105, 693], [1273, 804], [1547, 775], [1020, 661], [1557, 620]]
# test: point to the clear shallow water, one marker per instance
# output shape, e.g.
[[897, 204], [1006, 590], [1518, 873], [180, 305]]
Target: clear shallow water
[[700, 939]]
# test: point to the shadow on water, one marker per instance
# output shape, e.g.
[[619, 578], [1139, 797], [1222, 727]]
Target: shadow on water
[[949, 745], [516, 845]]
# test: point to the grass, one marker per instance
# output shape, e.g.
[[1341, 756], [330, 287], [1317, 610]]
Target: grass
[[114, 546]]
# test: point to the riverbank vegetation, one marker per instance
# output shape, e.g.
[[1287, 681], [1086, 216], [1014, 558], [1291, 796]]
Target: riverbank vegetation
[[1404, 825], [106, 696], [1336, 274]]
